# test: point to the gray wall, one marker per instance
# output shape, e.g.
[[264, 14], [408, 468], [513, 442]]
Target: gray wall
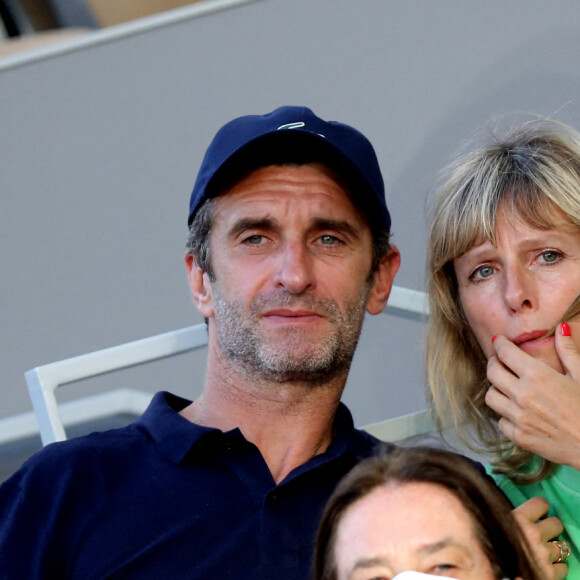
[[99, 148]]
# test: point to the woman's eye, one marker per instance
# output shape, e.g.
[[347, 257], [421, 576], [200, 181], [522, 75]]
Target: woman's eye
[[550, 256], [483, 272], [443, 570]]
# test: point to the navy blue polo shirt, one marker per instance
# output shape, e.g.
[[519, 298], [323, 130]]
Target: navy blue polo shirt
[[165, 498]]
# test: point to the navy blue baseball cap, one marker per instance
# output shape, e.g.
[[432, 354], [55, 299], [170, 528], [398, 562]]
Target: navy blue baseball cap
[[293, 135]]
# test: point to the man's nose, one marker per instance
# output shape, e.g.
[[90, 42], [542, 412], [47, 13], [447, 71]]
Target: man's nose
[[295, 268]]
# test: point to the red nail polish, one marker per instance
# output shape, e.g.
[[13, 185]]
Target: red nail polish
[[493, 339], [565, 329]]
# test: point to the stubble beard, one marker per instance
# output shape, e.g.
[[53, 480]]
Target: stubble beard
[[292, 355]]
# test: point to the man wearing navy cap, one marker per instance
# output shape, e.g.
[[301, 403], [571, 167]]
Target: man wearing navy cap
[[288, 248]]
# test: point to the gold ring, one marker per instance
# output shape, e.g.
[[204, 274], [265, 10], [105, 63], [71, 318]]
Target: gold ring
[[565, 551]]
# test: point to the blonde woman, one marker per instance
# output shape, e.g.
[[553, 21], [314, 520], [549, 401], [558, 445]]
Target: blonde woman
[[502, 348]]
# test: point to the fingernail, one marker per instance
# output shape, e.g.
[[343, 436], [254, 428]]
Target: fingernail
[[565, 329], [493, 339]]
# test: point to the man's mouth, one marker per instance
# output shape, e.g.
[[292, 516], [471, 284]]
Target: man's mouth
[[289, 315]]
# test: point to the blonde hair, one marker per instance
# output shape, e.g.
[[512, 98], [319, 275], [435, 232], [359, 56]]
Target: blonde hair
[[533, 173]]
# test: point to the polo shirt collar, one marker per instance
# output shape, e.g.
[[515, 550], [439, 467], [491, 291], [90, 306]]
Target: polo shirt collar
[[175, 436]]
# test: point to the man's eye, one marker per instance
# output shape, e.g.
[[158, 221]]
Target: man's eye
[[328, 240], [254, 240]]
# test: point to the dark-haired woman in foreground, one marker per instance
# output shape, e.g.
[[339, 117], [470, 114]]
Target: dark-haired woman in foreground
[[420, 509]]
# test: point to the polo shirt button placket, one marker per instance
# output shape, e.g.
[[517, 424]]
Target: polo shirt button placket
[[280, 537]]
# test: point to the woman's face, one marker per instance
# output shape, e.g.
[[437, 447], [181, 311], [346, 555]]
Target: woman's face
[[521, 287], [410, 526]]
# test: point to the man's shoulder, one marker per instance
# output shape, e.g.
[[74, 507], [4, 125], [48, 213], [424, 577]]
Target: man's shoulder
[[107, 451], [79, 455], [358, 441], [371, 445]]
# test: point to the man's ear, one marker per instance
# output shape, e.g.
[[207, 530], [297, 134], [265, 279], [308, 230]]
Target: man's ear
[[200, 287], [384, 277]]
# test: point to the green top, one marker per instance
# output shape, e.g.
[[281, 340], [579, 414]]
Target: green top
[[562, 490]]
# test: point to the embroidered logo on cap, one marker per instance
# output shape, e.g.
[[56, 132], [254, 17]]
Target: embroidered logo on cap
[[296, 125]]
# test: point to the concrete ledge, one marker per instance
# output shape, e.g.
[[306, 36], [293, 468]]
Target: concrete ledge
[[124, 30]]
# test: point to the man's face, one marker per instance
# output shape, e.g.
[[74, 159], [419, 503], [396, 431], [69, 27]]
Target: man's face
[[291, 257]]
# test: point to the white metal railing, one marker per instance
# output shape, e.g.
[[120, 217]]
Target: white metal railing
[[43, 381]]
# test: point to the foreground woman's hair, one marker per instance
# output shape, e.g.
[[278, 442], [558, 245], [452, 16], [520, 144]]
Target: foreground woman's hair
[[533, 173], [491, 513]]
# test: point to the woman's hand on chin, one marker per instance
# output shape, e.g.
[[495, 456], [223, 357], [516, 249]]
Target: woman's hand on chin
[[539, 407]]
